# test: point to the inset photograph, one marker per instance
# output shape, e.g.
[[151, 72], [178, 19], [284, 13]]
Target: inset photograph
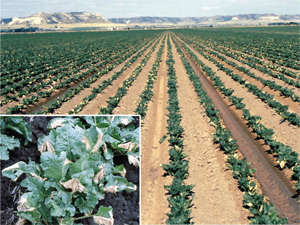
[[70, 170]]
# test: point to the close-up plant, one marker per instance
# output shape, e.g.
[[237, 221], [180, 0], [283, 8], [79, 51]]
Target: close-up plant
[[77, 169]]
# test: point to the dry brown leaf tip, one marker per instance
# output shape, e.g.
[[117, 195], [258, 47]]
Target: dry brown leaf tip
[[128, 146], [86, 142], [100, 175], [21, 221], [96, 146], [47, 146], [104, 221], [22, 205], [124, 121], [123, 172], [133, 160], [56, 123], [73, 184], [112, 189]]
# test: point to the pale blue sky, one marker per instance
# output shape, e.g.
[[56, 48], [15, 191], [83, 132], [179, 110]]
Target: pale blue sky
[[134, 8]]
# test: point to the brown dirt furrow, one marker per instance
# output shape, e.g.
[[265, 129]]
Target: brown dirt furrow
[[284, 132], [154, 204], [100, 101], [65, 108], [213, 182], [293, 106], [274, 184], [262, 75], [129, 102]]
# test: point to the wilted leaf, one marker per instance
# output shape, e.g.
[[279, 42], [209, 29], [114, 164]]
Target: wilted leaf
[[73, 184]]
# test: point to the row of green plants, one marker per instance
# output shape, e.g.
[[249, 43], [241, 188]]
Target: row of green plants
[[271, 65], [64, 78], [147, 94], [282, 110], [180, 194], [43, 80], [280, 48], [263, 213], [76, 61], [113, 101], [272, 84], [32, 76], [286, 157], [22, 54], [235, 53], [76, 170], [107, 82], [105, 66], [263, 69]]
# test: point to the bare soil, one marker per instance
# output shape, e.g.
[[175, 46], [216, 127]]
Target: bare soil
[[129, 102], [213, 183], [154, 204]]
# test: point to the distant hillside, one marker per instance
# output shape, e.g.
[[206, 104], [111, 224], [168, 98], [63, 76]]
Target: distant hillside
[[75, 18], [267, 18], [55, 18]]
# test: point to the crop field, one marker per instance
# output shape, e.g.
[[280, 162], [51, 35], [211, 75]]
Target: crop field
[[220, 111]]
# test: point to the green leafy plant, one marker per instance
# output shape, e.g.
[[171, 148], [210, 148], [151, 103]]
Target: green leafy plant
[[15, 124], [76, 170]]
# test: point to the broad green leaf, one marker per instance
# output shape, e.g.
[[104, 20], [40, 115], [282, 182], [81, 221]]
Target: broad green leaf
[[69, 140], [32, 216], [7, 143], [36, 186], [85, 177], [66, 221], [18, 124], [104, 211], [61, 204], [56, 168], [121, 182], [87, 204]]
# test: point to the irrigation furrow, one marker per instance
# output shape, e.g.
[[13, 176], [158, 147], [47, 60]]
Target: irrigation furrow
[[274, 184], [154, 203]]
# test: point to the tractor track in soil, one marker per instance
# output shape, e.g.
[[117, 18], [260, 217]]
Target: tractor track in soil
[[128, 103], [273, 182], [154, 202]]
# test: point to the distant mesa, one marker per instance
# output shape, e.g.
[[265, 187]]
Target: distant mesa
[[42, 18]]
